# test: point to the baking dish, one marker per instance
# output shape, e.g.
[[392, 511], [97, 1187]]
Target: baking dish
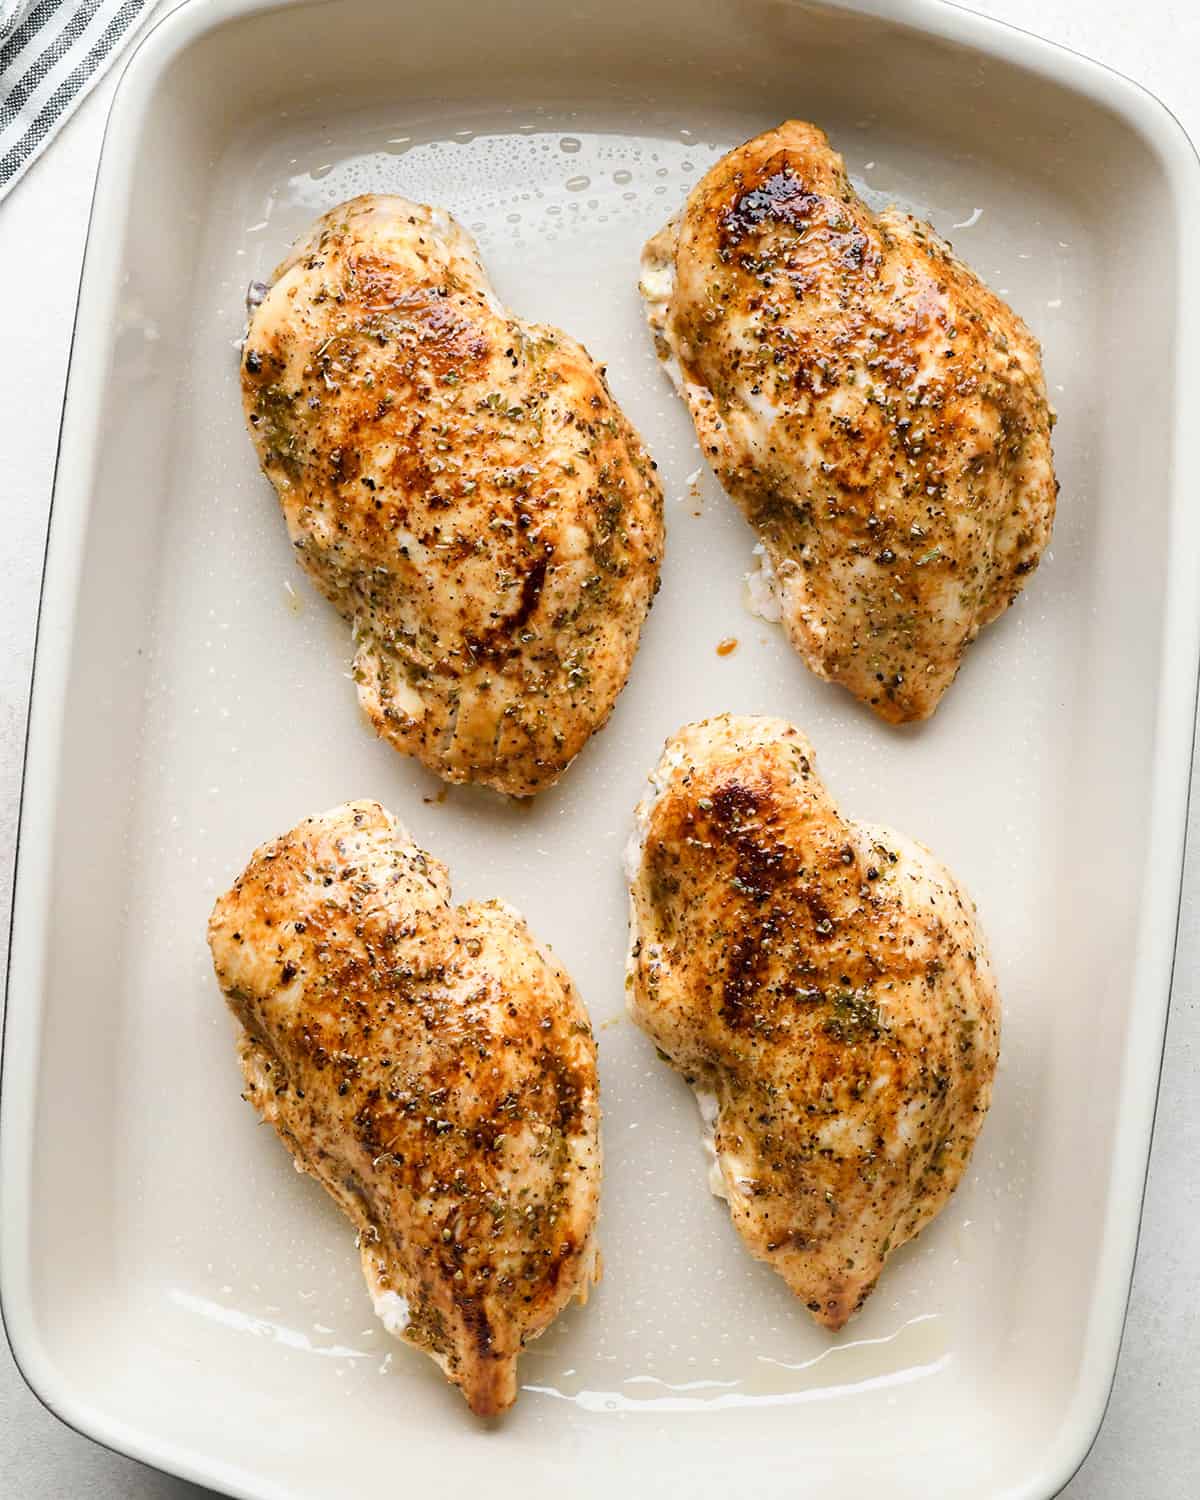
[[170, 1286]]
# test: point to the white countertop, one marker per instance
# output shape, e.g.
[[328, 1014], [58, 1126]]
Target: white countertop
[[1149, 1446]]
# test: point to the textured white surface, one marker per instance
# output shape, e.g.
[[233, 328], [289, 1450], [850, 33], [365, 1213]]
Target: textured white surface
[[1149, 1445]]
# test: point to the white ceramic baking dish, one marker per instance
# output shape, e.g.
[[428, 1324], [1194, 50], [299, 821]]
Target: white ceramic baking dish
[[170, 1286]]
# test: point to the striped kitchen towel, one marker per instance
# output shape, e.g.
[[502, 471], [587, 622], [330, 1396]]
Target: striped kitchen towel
[[51, 53]]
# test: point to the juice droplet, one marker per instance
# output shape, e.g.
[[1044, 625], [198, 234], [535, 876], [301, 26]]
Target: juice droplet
[[728, 646]]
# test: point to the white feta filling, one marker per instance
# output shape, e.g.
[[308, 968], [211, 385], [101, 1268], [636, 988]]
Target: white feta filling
[[657, 280], [659, 779], [392, 1311], [762, 587], [706, 1102]]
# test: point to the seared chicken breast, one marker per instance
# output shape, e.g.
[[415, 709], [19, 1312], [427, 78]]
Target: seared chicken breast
[[433, 1068], [879, 416], [463, 487], [824, 987]]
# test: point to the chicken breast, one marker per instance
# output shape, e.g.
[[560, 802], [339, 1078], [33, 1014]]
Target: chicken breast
[[433, 1068], [463, 487], [824, 987], [879, 416]]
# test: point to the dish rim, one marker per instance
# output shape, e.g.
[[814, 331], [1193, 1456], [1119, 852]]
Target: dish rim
[[1170, 788]]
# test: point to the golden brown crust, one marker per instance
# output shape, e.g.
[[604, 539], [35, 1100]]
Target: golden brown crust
[[828, 983], [434, 1069], [878, 414], [462, 485]]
